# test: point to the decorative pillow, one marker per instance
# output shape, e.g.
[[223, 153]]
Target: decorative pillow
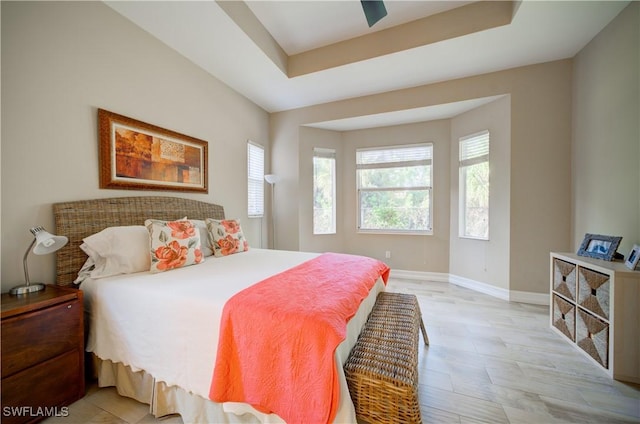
[[174, 244], [226, 236], [117, 250], [205, 244]]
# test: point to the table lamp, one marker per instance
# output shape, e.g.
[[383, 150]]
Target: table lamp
[[42, 244]]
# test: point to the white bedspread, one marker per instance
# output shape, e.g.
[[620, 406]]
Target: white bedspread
[[167, 324]]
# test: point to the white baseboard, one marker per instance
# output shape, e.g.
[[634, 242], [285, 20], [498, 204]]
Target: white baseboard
[[485, 288], [420, 275], [529, 297], [504, 294]]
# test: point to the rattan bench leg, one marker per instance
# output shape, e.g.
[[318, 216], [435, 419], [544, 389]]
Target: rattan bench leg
[[422, 327], [424, 332]]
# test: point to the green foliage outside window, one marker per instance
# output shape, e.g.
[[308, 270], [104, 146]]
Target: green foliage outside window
[[324, 195], [476, 213], [394, 186]]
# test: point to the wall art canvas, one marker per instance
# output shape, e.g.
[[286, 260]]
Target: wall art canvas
[[139, 156]]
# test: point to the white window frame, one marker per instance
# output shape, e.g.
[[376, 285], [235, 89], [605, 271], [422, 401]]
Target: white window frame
[[255, 180], [428, 187], [324, 153], [476, 152]]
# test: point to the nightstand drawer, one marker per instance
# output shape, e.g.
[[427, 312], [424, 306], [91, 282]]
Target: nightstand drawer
[[35, 388], [39, 336]]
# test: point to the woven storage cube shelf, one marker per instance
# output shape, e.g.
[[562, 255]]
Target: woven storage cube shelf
[[564, 317], [603, 320], [564, 278], [382, 368], [592, 335], [593, 291]]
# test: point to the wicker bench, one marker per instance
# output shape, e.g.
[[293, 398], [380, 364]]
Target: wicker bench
[[382, 368]]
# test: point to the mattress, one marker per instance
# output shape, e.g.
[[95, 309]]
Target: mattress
[[167, 324]]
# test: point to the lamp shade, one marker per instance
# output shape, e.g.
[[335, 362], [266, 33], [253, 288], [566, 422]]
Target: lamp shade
[[271, 178], [47, 242]]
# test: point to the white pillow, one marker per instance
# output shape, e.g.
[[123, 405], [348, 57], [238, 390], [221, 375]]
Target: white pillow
[[118, 250], [85, 271]]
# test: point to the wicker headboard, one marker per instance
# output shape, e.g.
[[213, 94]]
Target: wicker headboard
[[80, 219]]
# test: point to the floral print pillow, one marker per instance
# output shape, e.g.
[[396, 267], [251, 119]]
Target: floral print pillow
[[226, 237], [174, 244]]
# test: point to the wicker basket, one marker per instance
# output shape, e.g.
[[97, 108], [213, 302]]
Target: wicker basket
[[564, 278], [382, 368], [564, 316], [593, 291], [592, 335]]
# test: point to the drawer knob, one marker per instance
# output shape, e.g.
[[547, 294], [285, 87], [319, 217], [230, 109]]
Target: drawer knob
[[68, 306]]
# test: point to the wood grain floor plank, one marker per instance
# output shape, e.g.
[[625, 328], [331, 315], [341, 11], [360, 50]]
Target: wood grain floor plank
[[534, 375], [489, 361], [582, 413]]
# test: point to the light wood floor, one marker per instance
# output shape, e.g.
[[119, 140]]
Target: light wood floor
[[488, 361]]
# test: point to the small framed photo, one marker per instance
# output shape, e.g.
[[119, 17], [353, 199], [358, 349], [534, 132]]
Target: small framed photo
[[634, 256], [599, 246]]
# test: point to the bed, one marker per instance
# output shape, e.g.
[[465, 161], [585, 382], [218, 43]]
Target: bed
[[154, 335]]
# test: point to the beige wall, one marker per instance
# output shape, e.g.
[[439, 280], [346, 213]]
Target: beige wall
[[540, 147], [485, 261], [63, 60], [540, 174], [606, 133]]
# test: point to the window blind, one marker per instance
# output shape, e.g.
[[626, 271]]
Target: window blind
[[255, 180], [400, 156], [474, 148], [320, 152]]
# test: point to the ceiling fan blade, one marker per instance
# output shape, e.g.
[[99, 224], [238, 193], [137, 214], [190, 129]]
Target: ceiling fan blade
[[374, 10]]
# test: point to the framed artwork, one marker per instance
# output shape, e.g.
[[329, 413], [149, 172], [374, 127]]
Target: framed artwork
[[599, 246], [135, 155], [634, 256]]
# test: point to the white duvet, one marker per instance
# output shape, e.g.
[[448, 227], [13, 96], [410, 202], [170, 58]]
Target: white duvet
[[167, 323]]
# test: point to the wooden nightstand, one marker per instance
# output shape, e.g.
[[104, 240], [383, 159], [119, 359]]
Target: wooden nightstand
[[42, 354]]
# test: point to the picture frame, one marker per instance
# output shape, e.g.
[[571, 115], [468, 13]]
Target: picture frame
[[633, 258], [135, 155], [599, 246]]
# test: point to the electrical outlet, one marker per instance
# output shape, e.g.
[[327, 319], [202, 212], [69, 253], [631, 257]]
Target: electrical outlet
[[387, 254]]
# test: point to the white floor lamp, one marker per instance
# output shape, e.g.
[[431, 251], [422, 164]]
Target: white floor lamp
[[271, 180]]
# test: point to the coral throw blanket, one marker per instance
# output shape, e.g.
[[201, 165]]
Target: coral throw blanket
[[278, 337]]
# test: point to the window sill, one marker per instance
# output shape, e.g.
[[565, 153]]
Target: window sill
[[396, 233], [473, 238]]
